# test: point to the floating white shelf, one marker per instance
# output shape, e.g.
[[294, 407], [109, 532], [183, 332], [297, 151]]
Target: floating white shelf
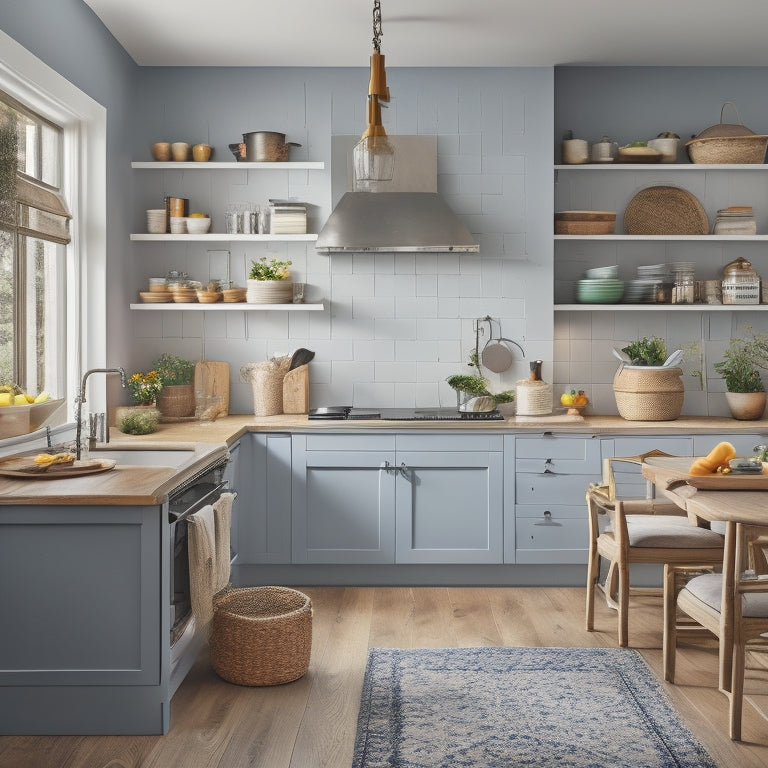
[[232, 165], [663, 307], [663, 167], [221, 237], [235, 306]]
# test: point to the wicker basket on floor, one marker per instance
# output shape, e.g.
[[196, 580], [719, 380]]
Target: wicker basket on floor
[[261, 635]]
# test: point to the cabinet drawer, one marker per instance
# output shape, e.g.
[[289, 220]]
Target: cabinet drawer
[[551, 488], [552, 534], [558, 455]]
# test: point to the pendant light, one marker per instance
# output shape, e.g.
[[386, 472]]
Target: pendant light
[[373, 155]]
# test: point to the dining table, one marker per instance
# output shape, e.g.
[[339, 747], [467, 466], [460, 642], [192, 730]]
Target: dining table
[[735, 499]]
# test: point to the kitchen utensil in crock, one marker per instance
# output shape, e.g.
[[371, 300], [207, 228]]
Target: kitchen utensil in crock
[[267, 146], [300, 357]]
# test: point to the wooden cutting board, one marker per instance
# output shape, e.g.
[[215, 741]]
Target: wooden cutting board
[[670, 476], [212, 380], [296, 390]]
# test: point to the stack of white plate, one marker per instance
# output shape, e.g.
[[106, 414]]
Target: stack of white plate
[[156, 222], [269, 292], [640, 291]]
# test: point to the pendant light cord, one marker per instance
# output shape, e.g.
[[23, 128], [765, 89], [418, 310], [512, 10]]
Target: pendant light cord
[[377, 25]]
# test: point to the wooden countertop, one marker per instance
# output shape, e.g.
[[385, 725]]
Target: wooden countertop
[[230, 428], [128, 484]]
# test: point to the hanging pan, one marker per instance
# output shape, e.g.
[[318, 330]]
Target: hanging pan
[[496, 355]]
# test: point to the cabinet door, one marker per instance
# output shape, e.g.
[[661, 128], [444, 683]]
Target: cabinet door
[[449, 507], [343, 504], [261, 520]]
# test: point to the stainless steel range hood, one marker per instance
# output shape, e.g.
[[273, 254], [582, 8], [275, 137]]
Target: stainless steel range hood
[[407, 214]]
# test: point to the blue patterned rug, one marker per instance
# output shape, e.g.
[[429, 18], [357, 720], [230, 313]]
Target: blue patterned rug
[[504, 707]]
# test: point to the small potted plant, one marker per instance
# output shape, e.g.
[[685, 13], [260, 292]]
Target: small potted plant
[[646, 389], [177, 398], [142, 418], [269, 282], [469, 386], [740, 367]]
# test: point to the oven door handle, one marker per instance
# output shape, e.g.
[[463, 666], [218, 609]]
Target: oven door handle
[[196, 506]]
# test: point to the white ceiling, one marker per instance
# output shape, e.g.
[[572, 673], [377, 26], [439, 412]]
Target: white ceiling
[[438, 33]]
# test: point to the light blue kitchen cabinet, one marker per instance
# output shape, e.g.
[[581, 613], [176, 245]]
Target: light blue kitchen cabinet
[[86, 619], [343, 499], [386, 499], [743, 443], [261, 520], [449, 499], [552, 473]]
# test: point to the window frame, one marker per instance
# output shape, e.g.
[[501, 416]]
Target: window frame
[[83, 121]]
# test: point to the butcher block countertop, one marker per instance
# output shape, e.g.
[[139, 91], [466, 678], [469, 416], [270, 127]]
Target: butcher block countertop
[[230, 428], [128, 484]]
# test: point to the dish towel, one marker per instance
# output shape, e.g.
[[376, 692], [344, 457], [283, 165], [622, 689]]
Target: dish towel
[[222, 515], [202, 548]]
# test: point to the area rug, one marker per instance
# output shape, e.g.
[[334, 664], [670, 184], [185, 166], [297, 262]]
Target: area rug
[[503, 707]]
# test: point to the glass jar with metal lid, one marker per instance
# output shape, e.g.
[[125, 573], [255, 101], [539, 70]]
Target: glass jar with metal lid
[[741, 284]]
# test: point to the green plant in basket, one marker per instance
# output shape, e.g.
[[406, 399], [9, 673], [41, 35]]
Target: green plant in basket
[[269, 269], [174, 370], [145, 387], [647, 351]]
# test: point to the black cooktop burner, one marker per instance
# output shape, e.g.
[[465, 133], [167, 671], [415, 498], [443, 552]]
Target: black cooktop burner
[[347, 413]]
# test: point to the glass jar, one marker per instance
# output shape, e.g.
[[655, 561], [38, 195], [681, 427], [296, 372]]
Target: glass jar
[[684, 284], [741, 284]]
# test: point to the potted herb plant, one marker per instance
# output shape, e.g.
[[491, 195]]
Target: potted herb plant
[[177, 397], [644, 388], [740, 367], [469, 386], [142, 418], [269, 282]]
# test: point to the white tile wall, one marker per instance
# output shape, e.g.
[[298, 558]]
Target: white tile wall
[[395, 325]]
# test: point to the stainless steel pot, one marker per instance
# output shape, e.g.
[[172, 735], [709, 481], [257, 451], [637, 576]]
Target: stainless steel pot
[[267, 147]]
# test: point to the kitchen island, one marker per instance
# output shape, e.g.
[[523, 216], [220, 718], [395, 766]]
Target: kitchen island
[[86, 605]]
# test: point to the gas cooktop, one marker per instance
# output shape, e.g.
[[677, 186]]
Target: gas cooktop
[[347, 413]]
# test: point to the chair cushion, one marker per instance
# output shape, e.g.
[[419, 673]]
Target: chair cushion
[[709, 589], [669, 531]]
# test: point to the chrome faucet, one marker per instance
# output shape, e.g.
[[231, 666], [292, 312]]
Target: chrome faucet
[[80, 399]]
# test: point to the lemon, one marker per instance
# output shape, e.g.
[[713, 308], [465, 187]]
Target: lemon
[[5, 398], [196, 215], [43, 397], [20, 400], [30, 398]]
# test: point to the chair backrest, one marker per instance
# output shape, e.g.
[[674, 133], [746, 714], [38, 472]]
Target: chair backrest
[[609, 476]]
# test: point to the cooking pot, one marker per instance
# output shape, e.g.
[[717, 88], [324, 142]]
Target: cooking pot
[[267, 147]]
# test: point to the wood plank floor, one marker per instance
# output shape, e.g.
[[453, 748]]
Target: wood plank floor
[[311, 723]]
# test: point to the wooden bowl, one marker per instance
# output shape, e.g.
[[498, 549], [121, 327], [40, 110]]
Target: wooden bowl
[[208, 297]]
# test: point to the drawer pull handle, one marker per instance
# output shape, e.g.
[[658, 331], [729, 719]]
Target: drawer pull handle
[[549, 521]]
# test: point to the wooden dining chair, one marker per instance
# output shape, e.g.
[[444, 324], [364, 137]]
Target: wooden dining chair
[[640, 530], [738, 623]]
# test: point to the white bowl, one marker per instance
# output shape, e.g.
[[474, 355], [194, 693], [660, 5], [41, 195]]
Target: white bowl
[[667, 147], [603, 272], [198, 225]]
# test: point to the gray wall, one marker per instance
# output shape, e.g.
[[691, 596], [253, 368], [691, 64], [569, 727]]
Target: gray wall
[[70, 38]]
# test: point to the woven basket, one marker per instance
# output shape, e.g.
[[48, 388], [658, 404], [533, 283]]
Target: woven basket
[[261, 635], [665, 210], [728, 149], [647, 394], [177, 400]]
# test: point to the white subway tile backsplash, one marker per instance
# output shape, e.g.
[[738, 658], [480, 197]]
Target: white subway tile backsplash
[[412, 306], [396, 372], [414, 350], [370, 350]]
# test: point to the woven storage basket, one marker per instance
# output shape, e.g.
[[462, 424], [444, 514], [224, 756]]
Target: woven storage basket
[[648, 394], [261, 635], [728, 149]]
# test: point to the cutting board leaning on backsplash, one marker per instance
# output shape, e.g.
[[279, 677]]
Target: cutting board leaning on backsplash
[[212, 380]]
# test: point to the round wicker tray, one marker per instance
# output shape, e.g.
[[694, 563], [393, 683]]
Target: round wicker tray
[[665, 211]]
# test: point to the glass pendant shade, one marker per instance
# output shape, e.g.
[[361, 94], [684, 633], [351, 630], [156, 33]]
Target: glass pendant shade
[[374, 160]]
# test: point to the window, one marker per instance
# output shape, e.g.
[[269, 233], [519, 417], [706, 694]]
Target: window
[[34, 231]]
